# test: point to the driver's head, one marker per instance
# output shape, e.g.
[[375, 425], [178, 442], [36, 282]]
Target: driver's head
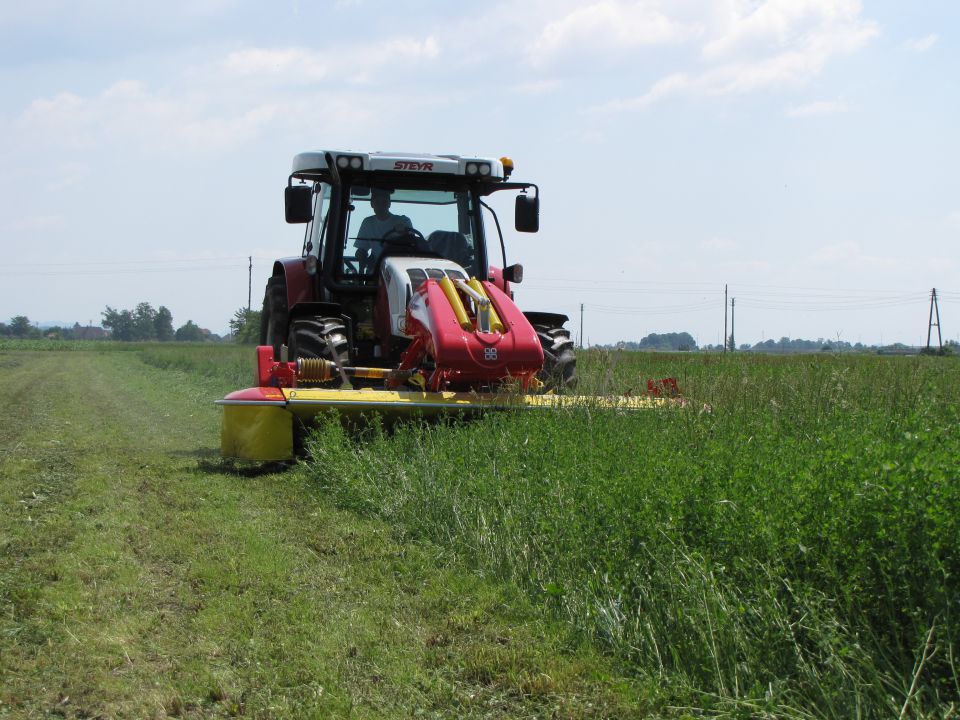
[[380, 202]]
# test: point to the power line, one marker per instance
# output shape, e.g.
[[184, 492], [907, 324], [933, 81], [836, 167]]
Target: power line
[[143, 261], [121, 271]]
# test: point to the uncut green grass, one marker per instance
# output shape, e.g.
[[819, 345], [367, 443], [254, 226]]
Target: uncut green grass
[[786, 544]]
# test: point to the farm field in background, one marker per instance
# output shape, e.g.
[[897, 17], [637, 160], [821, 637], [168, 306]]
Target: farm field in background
[[785, 545]]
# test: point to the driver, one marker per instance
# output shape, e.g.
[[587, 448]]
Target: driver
[[377, 226]]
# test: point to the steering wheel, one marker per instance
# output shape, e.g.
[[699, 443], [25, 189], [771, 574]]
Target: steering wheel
[[404, 237], [401, 237]]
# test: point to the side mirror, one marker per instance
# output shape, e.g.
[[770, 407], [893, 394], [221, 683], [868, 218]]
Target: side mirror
[[298, 203], [513, 274], [527, 214]]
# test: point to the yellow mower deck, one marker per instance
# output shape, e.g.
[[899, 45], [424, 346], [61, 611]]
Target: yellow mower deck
[[258, 422]]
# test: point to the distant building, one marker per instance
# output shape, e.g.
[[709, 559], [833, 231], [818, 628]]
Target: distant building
[[90, 332]]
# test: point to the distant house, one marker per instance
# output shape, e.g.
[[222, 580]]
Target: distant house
[[90, 332]]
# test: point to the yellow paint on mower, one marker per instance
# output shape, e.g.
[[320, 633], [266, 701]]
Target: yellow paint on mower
[[260, 426], [307, 402], [256, 432]]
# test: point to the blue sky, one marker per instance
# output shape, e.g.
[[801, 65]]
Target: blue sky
[[805, 152]]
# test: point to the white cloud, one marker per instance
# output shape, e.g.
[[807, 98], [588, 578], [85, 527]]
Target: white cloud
[[294, 63], [818, 108], [128, 113], [298, 66], [602, 27], [922, 44], [231, 100], [814, 25], [664, 87], [363, 64], [752, 48]]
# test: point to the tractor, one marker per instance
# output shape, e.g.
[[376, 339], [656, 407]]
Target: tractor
[[399, 301]]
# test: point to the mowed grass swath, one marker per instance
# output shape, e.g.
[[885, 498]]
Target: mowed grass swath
[[786, 544]]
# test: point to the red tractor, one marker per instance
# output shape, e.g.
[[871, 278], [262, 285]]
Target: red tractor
[[378, 226], [397, 300]]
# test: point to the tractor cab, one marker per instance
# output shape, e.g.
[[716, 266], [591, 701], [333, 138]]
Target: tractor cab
[[377, 226]]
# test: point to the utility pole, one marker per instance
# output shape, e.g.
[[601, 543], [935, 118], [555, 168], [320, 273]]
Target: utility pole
[[581, 326], [934, 309], [733, 318], [249, 280], [724, 317]]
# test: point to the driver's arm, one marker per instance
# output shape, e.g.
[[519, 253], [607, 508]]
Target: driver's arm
[[366, 238]]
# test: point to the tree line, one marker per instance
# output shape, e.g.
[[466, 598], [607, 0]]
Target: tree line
[[144, 323], [683, 341]]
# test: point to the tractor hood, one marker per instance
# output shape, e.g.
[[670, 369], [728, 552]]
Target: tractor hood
[[401, 276]]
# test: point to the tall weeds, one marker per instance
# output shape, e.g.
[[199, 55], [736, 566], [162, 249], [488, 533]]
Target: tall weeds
[[783, 545]]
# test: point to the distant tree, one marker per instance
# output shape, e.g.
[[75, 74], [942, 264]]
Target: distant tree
[[665, 341], [4, 330], [143, 322], [189, 332], [20, 326], [163, 325], [245, 326], [120, 323], [731, 343]]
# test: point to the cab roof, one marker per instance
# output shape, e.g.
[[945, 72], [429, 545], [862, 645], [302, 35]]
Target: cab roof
[[316, 164]]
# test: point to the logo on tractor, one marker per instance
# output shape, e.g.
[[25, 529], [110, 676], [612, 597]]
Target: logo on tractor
[[412, 165], [489, 353]]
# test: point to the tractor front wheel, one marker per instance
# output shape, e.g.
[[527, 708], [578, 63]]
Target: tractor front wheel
[[559, 361], [319, 338]]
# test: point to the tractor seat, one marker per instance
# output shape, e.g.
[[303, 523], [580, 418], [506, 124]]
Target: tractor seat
[[451, 245]]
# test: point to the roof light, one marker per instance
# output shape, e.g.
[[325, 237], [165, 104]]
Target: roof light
[[507, 166], [471, 168], [353, 162], [484, 169]]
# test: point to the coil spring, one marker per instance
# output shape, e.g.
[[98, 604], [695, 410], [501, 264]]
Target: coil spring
[[315, 369]]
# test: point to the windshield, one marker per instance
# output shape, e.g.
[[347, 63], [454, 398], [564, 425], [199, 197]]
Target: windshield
[[403, 221]]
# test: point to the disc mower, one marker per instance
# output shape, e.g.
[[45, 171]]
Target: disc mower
[[395, 304]]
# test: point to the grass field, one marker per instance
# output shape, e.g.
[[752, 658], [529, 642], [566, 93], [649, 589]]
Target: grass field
[[141, 577], [784, 546]]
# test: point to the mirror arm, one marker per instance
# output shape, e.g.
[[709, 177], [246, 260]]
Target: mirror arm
[[503, 248]]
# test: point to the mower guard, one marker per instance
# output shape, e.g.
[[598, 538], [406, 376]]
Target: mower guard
[[258, 422]]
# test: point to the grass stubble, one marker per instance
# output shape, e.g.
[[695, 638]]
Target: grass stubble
[[142, 577]]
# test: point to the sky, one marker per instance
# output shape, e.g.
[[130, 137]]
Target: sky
[[804, 153]]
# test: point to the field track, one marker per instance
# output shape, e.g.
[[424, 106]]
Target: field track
[[141, 577]]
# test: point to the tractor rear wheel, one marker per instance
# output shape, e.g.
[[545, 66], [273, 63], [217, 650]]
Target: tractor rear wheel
[[559, 361], [319, 338], [275, 315]]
